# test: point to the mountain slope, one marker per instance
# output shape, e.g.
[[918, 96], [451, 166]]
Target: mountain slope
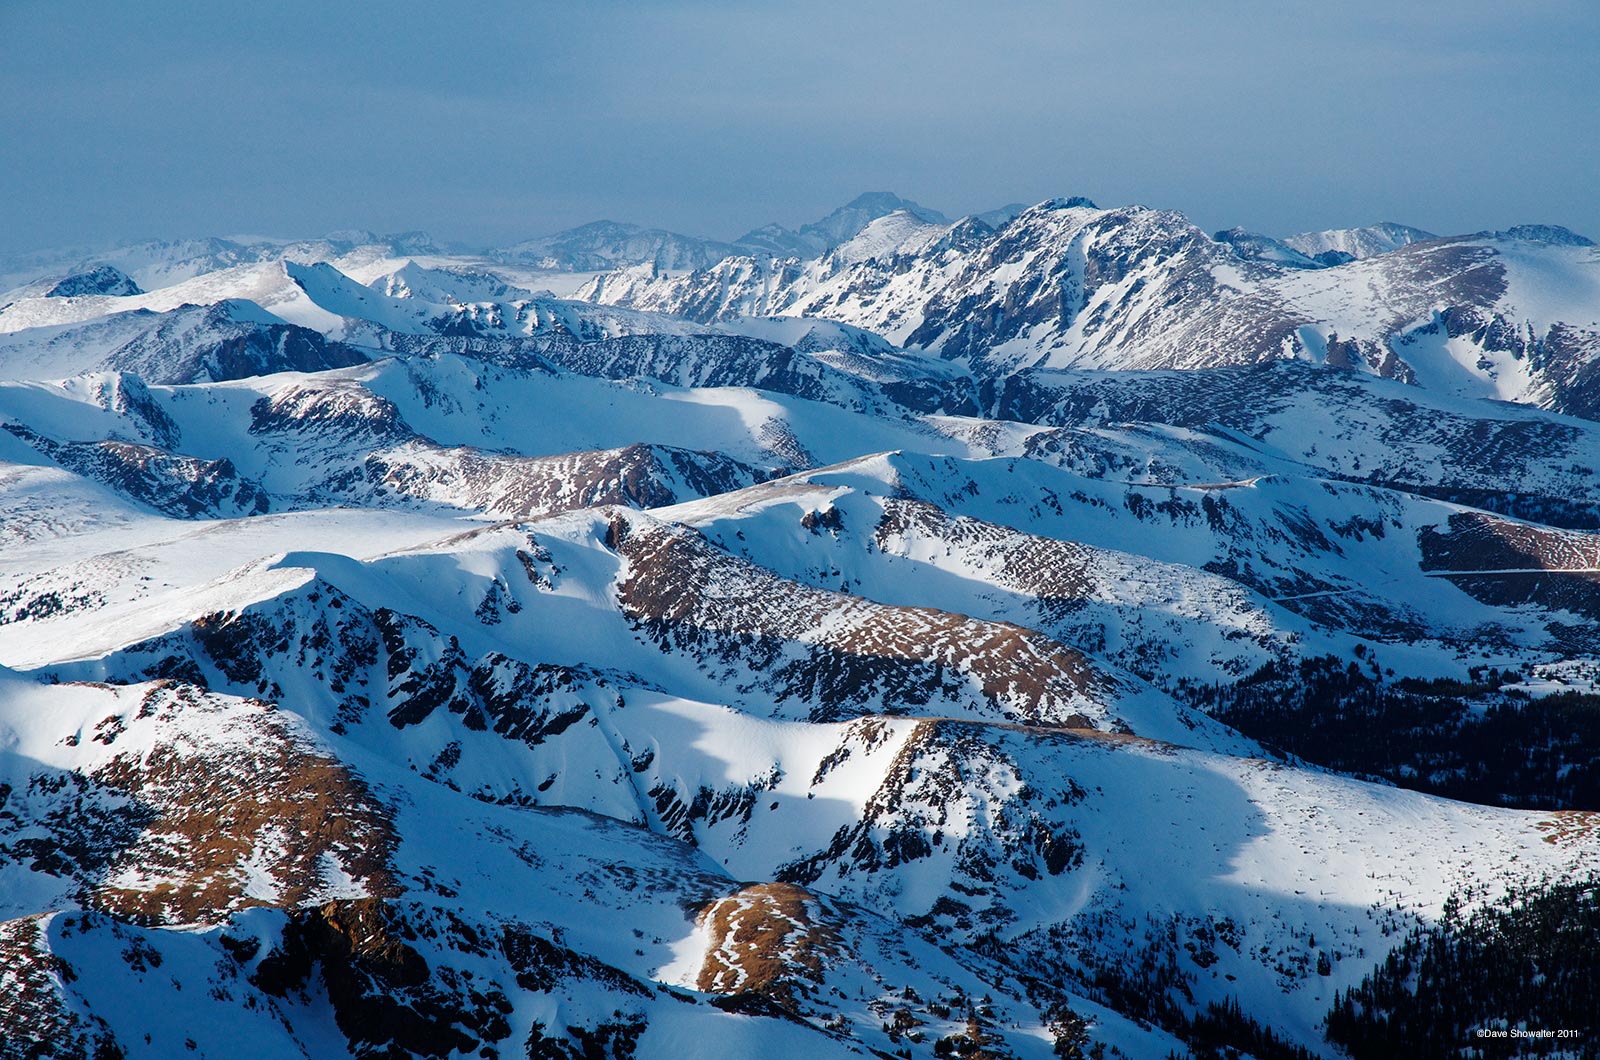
[[1356, 243], [1510, 315], [1052, 633]]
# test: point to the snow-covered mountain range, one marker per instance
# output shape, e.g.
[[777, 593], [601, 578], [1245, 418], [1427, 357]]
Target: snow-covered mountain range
[[1055, 632], [604, 245]]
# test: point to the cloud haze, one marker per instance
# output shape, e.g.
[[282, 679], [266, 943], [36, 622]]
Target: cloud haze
[[492, 121]]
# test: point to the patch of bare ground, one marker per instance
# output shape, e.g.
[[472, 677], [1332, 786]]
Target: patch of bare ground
[[688, 596], [770, 939], [1570, 827], [1479, 541], [259, 817], [520, 487]]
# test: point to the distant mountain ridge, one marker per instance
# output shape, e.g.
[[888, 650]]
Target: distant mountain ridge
[[605, 245], [1068, 285], [1356, 243], [820, 236], [1061, 284]]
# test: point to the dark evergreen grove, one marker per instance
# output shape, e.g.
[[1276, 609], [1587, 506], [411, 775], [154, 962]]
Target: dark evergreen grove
[[1527, 963], [1469, 740]]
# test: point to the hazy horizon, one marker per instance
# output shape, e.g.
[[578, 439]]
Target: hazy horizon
[[710, 118]]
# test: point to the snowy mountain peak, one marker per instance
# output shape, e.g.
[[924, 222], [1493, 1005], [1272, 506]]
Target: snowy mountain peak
[[878, 203], [450, 286], [102, 279], [1555, 235], [1000, 216], [601, 245], [816, 238], [897, 232], [1354, 244], [1254, 246], [414, 242], [1074, 202]]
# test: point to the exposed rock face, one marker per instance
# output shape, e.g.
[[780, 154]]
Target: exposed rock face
[[181, 486], [1507, 563], [102, 279], [638, 476], [770, 939], [1067, 285], [199, 343], [1553, 234], [378, 986], [189, 828], [36, 1006], [834, 655]]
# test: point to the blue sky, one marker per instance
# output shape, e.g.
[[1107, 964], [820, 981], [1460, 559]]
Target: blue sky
[[492, 121]]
